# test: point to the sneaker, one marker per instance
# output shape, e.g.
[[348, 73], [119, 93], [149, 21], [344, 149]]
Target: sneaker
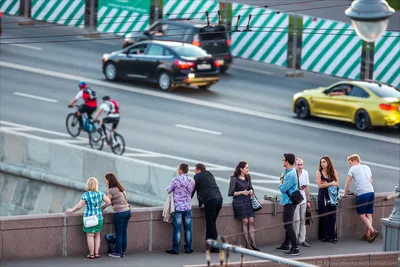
[[373, 236], [283, 248], [293, 252], [123, 255], [189, 251], [305, 244], [114, 255], [173, 252]]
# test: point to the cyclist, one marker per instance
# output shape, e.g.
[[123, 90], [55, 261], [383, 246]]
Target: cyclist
[[90, 105], [111, 108]]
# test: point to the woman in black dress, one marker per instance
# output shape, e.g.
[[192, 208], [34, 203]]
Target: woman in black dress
[[240, 188], [326, 176]]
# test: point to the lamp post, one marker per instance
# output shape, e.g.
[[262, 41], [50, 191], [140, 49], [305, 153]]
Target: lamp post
[[370, 18]]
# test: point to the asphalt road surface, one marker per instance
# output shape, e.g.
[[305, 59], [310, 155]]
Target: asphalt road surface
[[247, 115]]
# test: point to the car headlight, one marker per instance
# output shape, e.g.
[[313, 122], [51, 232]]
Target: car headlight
[[105, 57]]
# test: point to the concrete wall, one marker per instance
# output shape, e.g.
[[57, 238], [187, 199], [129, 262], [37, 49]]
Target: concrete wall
[[21, 196], [61, 235], [69, 166], [370, 259]]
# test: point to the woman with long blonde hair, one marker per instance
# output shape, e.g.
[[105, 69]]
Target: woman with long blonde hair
[[93, 199]]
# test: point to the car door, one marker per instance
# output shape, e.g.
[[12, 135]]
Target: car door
[[329, 104], [154, 56], [130, 62], [354, 99]]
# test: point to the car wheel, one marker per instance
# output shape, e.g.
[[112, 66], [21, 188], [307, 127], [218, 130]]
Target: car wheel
[[111, 72], [205, 87], [302, 109], [362, 120], [165, 82]]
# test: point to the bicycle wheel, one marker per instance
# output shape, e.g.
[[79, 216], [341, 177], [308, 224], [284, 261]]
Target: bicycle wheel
[[73, 125], [119, 149], [95, 140]]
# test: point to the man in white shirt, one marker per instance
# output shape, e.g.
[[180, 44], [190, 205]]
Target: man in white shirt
[[111, 109], [362, 176], [300, 211]]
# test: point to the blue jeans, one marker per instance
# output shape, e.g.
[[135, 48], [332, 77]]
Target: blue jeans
[[187, 226], [121, 220]]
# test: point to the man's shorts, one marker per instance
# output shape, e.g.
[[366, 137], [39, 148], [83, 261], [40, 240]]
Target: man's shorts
[[114, 121], [85, 109], [361, 202]]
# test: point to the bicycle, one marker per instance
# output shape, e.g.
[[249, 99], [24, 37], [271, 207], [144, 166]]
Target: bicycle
[[73, 121], [96, 139]]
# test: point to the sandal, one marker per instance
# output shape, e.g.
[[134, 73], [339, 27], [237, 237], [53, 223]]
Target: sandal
[[90, 256], [97, 255]]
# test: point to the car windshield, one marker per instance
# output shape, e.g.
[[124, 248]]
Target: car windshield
[[189, 51], [384, 91]]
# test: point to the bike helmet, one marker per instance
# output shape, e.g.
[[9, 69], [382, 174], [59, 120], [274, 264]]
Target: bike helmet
[[106, 98], [82, 85]]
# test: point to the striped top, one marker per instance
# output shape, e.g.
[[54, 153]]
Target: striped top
[[93, 200]]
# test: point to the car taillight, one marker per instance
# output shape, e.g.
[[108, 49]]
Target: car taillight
[[228, 42], [184, 64], [388, 107], [196, 40], [217, 63], [227, 56]]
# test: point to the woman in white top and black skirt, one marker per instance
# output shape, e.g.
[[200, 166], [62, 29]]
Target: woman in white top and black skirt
[[241, 189]]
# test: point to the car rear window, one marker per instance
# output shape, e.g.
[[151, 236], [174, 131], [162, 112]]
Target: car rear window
[[384, 91], [189, 51], [212, 34]]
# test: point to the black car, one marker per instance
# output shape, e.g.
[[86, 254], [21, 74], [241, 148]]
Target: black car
[[214, 38], [170, 64]]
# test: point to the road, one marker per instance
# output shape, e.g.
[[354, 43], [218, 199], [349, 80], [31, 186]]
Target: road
[[329, 9], [245, 116]]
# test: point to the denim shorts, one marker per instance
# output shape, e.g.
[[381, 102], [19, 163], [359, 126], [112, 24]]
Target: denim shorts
[[363, 199]]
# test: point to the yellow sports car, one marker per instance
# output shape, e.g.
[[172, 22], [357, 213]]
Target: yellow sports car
[[363, 103]]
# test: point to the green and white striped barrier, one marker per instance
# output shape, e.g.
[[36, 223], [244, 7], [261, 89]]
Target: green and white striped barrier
[[267, 42], [387, 59], [121, 17], [10, 7], [268, 38], [330, 47], [195, 10], [64, 12]]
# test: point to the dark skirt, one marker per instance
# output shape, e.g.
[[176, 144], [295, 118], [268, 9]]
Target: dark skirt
[[242, 207]]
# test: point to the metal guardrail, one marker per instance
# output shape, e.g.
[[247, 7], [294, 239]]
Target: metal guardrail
[[236, 249]]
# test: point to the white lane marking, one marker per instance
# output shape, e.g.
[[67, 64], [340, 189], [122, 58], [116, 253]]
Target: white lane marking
[[265, 181], [36, 97], [25, 46], [203, 103], [71, 141], [141, 155], [381, 165], [252, 70], [27, 128], [197, 129]]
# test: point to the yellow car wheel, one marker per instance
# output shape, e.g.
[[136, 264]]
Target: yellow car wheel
[[301, 108], [362, 120]]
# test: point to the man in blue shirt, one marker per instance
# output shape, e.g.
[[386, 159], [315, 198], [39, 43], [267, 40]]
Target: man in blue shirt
[[288, 185]]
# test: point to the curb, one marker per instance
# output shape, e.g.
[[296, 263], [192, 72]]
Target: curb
[[294, 74]]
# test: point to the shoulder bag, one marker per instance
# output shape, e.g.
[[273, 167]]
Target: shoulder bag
[[296, 197], [90, 221]]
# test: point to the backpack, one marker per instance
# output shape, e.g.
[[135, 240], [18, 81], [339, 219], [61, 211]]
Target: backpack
[[91, 93], [115, 106]]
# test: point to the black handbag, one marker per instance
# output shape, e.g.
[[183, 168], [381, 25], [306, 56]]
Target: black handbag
[[296, 197], [309, 219]]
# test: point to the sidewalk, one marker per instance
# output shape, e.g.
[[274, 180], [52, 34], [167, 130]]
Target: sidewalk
[[153, 259]]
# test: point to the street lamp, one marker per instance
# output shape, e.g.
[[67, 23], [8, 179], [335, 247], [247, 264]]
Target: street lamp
[[370, 18]]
